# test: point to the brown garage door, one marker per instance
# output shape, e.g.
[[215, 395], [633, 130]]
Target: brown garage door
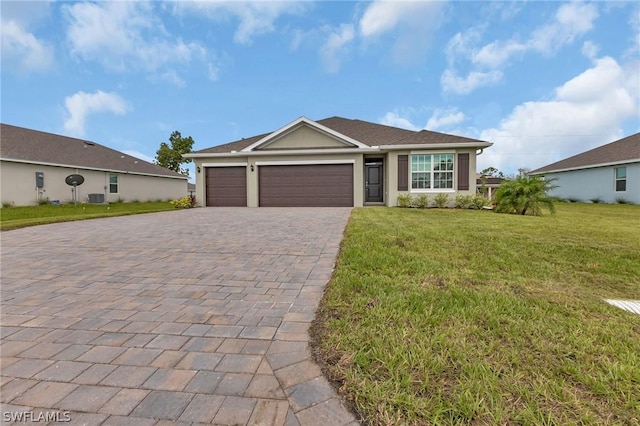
[[226, 186], [315, 185]]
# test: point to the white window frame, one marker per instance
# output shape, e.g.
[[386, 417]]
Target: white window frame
[[117, 184], [617, 179], [432, 173]]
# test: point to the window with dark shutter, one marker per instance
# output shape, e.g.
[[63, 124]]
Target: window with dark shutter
[[403, 172], [463, 172]]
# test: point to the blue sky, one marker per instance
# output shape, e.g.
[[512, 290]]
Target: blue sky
[[541, 80]]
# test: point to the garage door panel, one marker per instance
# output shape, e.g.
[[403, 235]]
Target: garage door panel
[[226, 186], [315, 185]]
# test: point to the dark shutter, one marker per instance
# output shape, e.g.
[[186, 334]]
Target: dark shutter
[[403, 172], [463, 171]]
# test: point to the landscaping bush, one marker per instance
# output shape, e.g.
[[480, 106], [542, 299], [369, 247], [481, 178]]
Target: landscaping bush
[[478, 201], [420, 201], [464, 201], [525, 195], [596, 200], [404, 200], [182, 203], [441, 200]]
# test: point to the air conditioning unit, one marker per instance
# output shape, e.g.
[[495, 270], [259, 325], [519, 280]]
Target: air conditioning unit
[[96, 198]]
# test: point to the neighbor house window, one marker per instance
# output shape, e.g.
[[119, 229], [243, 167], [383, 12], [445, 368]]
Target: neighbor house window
[[621, 179], [432, 171], [113, 184]]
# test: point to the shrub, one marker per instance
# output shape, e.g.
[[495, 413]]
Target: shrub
[[182, 203], [621, 200], [525, 194], [573, 200], [404, 200], [7, 204], [478, 201], [464, 201], [420, 201], [596, 200], [441, 200], [43, 201]]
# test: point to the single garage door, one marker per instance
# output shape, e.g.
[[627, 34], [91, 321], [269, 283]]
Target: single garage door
[[314, 185], [226, 186]]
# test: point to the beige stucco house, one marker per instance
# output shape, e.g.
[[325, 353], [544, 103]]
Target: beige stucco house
[[335, 162], [34, 166]]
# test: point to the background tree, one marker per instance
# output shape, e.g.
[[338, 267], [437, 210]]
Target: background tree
[[492, 172], [525, 194], [171, 155]]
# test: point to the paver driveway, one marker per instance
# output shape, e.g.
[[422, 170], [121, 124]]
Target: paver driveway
[[194, 316]]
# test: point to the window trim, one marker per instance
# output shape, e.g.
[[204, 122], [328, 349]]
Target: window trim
[[431, 172], [616, 179], [117, 184]]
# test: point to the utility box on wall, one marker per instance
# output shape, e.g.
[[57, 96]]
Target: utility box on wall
[[39, 179]]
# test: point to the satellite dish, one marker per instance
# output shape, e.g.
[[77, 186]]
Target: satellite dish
[[74, 180]]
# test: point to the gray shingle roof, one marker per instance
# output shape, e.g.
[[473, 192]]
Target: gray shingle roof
[[18, 143], [368, 133], [626, 149]]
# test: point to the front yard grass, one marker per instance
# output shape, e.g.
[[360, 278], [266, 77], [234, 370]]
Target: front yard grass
[[471, 317], [20, 217]]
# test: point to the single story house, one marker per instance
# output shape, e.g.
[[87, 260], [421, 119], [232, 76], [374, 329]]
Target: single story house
[[34, 166], [487, 185], [335, 162], [609, 173]]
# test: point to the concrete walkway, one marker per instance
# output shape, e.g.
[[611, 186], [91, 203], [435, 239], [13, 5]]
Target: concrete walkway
[[192, 316]]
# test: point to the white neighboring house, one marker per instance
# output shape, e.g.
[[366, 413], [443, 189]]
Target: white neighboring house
[[34, 165], [609, 173]]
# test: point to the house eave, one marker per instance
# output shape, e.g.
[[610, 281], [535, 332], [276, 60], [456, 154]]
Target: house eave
[[72, 166], [589, 166], [234, 154], [436, 146]]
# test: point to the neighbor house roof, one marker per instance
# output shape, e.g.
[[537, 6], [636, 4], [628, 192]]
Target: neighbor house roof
[[32, 146], [626, 150], [364, 132]]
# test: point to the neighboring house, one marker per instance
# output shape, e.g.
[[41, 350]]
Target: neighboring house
[[335, 162], [487, 185], [34, 166], [608, 173]]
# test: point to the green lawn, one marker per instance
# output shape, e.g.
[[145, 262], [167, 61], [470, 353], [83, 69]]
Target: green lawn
[[472, 317], [20, 217]]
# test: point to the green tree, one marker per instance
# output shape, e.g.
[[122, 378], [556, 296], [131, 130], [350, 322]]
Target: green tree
[[171, 155], [525, 194]]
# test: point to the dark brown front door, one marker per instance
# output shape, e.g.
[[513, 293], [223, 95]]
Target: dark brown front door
[[309, 185], [226, 186], [373, 183]]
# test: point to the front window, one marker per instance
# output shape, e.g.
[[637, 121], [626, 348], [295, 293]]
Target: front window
[[621, 179], [432, 171], [113, 184]]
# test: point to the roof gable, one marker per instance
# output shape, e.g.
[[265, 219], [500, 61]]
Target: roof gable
[[278, 135], [622, 151], [32, 146]]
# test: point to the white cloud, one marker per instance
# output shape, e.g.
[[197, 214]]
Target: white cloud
[[335, 47], [571, 21], [590, 49], [82, 104], [453, 83], [394, 119], [22, 50], [256, 17], [413, 22], [444, 117], [125, 35], [586, 111]]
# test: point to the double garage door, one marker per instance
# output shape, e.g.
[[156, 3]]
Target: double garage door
[[308, 185]]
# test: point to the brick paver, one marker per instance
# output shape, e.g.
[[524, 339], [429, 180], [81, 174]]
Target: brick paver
[[195, 316]]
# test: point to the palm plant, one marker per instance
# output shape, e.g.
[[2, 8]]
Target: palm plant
[[525, 194]]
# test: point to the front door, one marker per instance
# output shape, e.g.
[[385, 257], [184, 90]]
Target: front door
[[373, 183]]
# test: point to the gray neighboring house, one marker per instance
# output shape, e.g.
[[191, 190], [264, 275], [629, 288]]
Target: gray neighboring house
[[335, 162], [609, 173], [34, 165]]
